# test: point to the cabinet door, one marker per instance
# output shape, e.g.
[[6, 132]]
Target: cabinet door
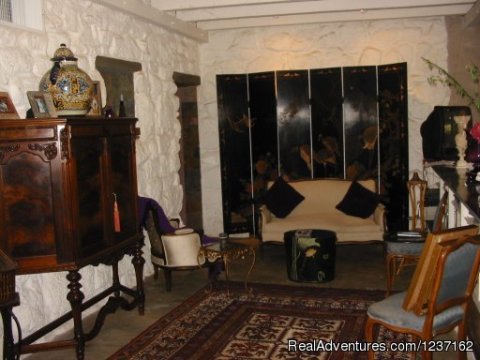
[[89, 184], [29, 218], [122, 188], [31, 197]]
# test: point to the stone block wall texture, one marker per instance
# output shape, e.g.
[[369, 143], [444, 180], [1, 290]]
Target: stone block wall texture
[[89, 30], [463, 50], [310, 47]]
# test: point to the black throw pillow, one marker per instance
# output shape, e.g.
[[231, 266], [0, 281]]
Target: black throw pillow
[[359, 201], [281, 198]]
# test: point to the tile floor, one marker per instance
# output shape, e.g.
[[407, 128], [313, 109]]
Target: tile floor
[[357, 266]]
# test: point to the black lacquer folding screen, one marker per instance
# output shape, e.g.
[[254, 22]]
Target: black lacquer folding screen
[[293, 121], [327, 122], [393, 117], [263, 113], [360, 120], [338, 122], [235, 152]]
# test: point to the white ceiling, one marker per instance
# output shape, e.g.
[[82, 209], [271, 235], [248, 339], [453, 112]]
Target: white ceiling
[[227, 14], [194, 18]]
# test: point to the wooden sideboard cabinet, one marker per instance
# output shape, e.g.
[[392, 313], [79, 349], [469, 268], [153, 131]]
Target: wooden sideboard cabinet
[[68, 198], [59, 182]]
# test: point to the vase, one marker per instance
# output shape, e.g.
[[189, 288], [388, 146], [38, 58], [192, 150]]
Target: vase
[[71, 87], [461, 139]]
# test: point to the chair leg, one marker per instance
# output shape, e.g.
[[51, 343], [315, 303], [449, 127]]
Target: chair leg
[[261, 250], [461, 331], [390, 266], [369, 328], [427, 355], [168, 279], [155, 272], [461, 336], [400, 266], [213, 272]]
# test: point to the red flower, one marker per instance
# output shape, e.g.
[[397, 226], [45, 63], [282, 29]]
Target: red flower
[[475, 132]]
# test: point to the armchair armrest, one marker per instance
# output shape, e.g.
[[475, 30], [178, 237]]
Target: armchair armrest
[[175, 222], [183, 231], [265, 218], [266, 214]]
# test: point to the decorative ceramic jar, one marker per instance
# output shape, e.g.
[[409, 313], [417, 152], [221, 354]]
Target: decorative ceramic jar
[[70, 86]]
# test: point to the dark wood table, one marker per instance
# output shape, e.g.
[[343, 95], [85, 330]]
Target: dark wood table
[[227, 251]]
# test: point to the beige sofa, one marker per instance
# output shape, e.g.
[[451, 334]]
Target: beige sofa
[[318, 211]]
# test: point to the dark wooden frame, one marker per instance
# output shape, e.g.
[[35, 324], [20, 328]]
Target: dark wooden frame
[[42, 104], [97, 96]]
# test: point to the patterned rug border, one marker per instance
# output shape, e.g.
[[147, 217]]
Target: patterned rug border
[[236, 289]]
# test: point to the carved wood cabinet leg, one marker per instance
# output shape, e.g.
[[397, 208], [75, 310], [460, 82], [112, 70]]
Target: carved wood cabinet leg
[[116, 279], [8, 343], [75, 297], [138, 262]]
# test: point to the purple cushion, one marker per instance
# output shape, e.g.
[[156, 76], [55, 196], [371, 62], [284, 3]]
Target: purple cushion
[[144, 205]]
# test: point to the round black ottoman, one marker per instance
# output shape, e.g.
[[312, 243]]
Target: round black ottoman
[[310, 255]]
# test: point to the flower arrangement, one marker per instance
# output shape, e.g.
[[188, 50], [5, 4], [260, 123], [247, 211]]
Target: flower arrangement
[[475, 132], [443, 77]]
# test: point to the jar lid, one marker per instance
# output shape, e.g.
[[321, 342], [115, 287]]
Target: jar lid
[[63, 53]]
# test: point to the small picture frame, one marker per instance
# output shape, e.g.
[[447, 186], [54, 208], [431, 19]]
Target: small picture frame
[[7, 109], [96, 100], [42, 104]]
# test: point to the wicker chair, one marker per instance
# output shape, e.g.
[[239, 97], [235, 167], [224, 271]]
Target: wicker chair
[[403, 253]]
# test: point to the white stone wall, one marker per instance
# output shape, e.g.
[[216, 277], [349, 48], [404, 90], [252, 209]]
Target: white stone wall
[[310, 47], [89, 30]]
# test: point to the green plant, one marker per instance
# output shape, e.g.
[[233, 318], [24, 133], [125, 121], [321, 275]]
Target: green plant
[[443, 77]]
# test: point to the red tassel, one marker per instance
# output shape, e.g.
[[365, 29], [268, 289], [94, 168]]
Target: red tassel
[[116, 216]]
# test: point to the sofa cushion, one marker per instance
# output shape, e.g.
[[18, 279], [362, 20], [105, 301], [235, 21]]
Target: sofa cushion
[[347, 228], [281, 198], [322, 193], [359, 201]]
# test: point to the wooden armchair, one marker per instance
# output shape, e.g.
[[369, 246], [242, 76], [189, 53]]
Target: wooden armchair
[[438, 296]]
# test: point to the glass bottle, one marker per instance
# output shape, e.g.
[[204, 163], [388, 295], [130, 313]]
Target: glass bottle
[[121, 108]]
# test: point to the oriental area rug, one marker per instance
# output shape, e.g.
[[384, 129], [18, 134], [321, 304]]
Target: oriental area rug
[[271, 322]]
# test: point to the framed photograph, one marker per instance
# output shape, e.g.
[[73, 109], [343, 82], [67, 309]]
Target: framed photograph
[[96, 100], [7, 109], [42, 104]]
